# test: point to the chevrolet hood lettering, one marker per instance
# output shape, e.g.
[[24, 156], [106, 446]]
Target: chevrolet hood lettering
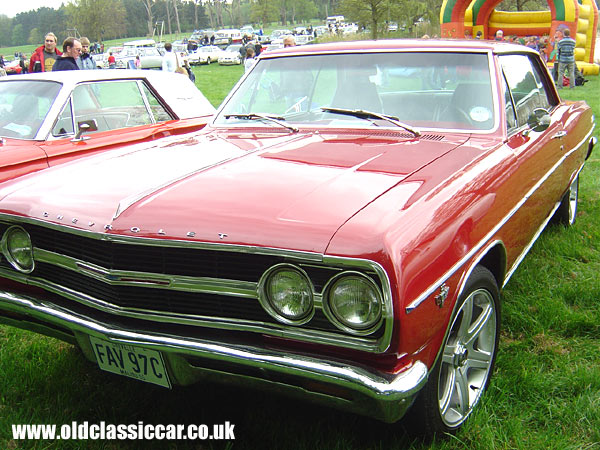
[[305, 186]]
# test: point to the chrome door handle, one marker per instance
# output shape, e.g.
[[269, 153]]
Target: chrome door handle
[[559, 135]]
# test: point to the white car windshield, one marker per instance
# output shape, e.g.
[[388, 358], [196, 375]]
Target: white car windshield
[[24, 105], [448, 90]]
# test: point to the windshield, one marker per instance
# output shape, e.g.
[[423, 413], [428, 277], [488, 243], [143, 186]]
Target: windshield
[[425, 90], [24, 105]]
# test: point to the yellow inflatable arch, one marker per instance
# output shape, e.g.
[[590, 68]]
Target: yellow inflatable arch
[[459, 18]]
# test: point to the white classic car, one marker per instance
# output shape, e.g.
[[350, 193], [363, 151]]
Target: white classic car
[[205, 55]]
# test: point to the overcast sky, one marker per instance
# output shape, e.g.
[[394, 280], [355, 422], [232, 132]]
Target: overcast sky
[[11, 8]]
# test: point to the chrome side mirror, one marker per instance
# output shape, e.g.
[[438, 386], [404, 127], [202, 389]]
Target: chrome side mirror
[[85, 126], [539, 120]]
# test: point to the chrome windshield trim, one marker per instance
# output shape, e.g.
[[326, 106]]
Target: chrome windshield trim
[[433, 287], [449, 49]]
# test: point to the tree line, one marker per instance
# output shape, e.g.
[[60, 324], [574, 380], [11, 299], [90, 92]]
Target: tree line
[[101, 20]]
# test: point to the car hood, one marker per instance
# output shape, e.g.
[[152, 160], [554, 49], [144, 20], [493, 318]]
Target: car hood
[[274, 190]]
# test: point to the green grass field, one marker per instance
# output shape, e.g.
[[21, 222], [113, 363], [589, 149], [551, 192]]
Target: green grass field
[[545, 393]]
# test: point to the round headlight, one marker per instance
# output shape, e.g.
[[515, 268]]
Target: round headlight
[[18, 249], [287, 295], [354, 303]]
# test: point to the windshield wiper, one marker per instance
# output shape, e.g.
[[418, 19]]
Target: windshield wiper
[[271, 118], [361, 113]]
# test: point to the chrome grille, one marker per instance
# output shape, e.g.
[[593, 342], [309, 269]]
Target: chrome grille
[[165, 281]]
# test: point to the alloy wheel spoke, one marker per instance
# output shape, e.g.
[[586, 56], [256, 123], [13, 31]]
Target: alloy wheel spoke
[[479, 324], [467, 316], [448, 355], [462, 387], [479, 359], [446, 396]]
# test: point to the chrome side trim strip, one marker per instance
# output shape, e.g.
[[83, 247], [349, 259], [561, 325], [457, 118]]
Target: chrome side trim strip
[[415, 303], [535, 237]]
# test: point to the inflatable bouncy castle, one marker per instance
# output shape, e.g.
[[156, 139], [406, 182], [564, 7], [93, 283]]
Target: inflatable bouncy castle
[[460, 18]]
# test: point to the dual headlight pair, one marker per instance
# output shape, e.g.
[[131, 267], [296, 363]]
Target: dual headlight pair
[[350, 300], [17, 249]]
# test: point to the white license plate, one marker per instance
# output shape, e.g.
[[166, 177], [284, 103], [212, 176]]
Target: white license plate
[[132, 361]]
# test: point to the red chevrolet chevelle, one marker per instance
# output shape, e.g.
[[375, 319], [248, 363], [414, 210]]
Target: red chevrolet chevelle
[[340, 231]]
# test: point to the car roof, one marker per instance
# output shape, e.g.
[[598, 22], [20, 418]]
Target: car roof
[[186, 101], [78, 76], [386, 45]]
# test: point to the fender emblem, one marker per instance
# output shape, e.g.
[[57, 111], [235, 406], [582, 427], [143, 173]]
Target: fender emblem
[[441, 297], [222, 235]]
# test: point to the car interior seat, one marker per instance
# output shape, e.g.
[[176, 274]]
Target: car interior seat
[[357, 92], [471, 105]]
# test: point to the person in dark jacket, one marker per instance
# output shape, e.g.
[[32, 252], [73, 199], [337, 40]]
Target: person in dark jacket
[[43, 57], [71, 51]]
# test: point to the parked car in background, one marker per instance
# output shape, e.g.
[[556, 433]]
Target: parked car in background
[[231, 55], [350, 28], [205, 55], [53, 117], [228, 36], [150, 58], [339, 232], [273, 46], [102, 59], [13, 67], [247, 30], [303, 39], [279, 34], [321, 30]]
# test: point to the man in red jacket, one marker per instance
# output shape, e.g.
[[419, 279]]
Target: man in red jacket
[[44, 56]]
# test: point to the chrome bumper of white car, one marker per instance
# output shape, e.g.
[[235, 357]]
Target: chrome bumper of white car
[[190, 360]]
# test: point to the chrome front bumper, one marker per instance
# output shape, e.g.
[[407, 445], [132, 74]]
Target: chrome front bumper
[[352, 388]]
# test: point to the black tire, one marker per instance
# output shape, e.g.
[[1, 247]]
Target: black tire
[[466, 361], [566, 214]]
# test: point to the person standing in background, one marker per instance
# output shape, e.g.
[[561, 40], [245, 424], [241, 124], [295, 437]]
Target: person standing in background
[[85, 61], [169, 61], [249, 63], [112, 61], [71, 52], [566, 59], [43, 57]]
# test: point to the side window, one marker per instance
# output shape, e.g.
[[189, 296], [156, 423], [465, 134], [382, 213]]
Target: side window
[[525, 84], [64, 124], [159, 113], [113, 104]]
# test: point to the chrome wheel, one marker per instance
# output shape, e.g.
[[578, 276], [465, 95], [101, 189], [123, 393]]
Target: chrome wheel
[[465, 361], [467, 357]]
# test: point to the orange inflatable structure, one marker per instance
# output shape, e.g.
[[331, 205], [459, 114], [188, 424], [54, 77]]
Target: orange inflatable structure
[[460, 18]]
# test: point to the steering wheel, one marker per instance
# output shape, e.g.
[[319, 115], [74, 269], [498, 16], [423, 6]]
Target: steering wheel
[[455, 111]]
